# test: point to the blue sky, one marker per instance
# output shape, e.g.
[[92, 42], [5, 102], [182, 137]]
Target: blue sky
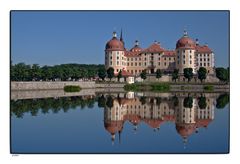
[[49, 38]]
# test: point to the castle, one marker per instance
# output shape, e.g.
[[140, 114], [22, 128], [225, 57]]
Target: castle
[[187, 54]]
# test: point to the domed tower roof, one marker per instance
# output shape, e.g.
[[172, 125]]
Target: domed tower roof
[[113, 126], [136, 47], [185, 130], [185, 42], [114, 44]]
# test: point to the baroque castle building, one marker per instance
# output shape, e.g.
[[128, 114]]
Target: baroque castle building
[[187, 54]]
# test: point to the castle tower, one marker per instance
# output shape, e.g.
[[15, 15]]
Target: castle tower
[[185, 51], [114, 54]]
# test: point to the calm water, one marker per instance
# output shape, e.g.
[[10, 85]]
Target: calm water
[[122, 123]]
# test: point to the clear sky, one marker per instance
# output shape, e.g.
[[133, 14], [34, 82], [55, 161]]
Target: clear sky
[[49, 38]]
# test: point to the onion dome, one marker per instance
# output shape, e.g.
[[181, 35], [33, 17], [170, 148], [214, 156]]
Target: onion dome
[[136, 47], [185, 42], [114, 44]]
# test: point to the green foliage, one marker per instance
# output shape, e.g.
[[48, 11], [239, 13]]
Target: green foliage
[[102, 73], [175, 74], [47, 105], [131, 87], [143, 74], [222, 74], [222, 101], [119, 76], [188, 73], [110, 73], [158, 74], [188, 102], [23, 72], [109, 102], [208, 87], [202, 103], [202, 73], [101, 101], [72, 88], [143, 100], [161, 87]]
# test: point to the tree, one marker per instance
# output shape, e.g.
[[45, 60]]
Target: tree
[[202, 103], [175, 75], [222, 101], [119, 76], [188, 73], [143, 74], [202, 73], [101, 101], [188, 102], [222, 74], [158, 74], [110, 73], [102, 73], [109, 102], [35, 72]]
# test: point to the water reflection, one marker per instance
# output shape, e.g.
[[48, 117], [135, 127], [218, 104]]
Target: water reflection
[[188, 112]]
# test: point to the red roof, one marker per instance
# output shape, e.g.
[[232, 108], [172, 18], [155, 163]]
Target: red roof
[[113, 126], [136, 49], [169, 53], [114, 45], [203, 122], [203, 49], [185, 130], [125, 73], [185, 42], [133, 118], [154, 123], [154, 48], [132, 53]]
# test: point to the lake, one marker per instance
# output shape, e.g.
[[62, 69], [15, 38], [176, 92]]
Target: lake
[[121, 123]]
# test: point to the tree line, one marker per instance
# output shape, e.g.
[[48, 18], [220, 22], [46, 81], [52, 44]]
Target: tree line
[[53, 105], [25, 72]]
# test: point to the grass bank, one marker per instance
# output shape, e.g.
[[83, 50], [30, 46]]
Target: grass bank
[[72, 88]]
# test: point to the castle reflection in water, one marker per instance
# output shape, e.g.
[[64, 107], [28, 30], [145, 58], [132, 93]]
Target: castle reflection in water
[[187, 113]]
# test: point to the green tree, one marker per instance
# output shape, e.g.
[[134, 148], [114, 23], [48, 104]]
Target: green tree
[[222, 101], [119, 76], [222, 74], [102, 73], [202, 73], [101, 101], [188, 73], [188, 102], [175, 74], [202, 103], [143, 74], [110, 73], [35, 72], [158, 74], [109, 102]]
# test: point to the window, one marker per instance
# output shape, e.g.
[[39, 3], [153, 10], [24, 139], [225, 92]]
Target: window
[[165, 58], [183, 61], [117, 57], [184, 56], [117, 62], [110, 57], [135, 64], [111, 63], [145, 58], [204, 59], [128, 59], [139, 58], [139, 64], [190, 62], [190, 56], [127, 64], [208, 59], [117, 70], [190, 51], [200, 64], [159, 63], [135, 59], [158, 58], [204, 64], [131, 64], [131, 59], [200, 59], [208, 64], [165, 63], [145, 64]]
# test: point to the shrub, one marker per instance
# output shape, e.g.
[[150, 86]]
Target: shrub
[[208, 88], [72, 88], [160, 87]]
